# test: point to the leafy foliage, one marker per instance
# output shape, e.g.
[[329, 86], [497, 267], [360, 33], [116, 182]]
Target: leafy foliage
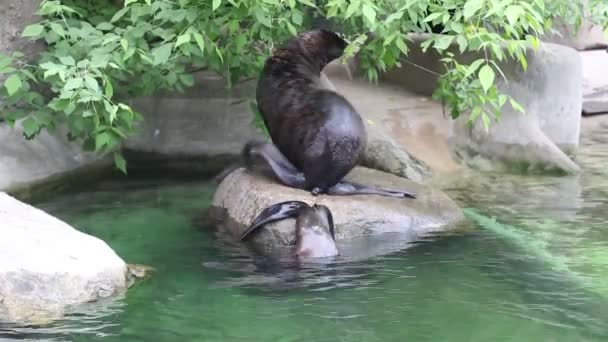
[[99, 53]]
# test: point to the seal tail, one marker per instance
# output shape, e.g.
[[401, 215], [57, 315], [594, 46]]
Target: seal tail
[[273, 213]]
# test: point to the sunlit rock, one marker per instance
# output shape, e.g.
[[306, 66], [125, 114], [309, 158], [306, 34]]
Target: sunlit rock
[[46, 266]]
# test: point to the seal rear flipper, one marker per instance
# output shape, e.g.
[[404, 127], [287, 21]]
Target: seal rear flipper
[[350, 188], [273, 213], [284, 170]]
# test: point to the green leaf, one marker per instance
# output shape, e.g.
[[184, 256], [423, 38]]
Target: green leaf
[[219, 53], [216, 4], [462, 43], [187, 79], [473, 67], [7, 70], [33, 30], [128, 2], [200, 41], [120, 162], [12, 84], [523, 62], [67, 60], [486, 77], [58, 29], [184, 38], [443, 42], [91, 83], [262, 17], [502, 99], [486, 121], [113, 111], [30, 127], [119, 15], [108, 90], [352, 8], [513, 12], [395, 16], [102, 140], [471, 7], [291, 28], [369, 13], [105, 26], [162, 53], [432, 17], [5, 61], [125, 44], [401, 45], [297, 17], [517, 106], [533, 40], [73, 83]]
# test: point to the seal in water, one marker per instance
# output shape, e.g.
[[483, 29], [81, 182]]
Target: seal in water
[[315, 235], [317, 135]]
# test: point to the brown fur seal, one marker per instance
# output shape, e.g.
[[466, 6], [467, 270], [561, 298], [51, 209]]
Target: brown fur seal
[[317, 135], [315, 235]]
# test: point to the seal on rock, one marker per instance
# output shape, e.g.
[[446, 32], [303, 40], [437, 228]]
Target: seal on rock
[[315, 234], [317, 135]]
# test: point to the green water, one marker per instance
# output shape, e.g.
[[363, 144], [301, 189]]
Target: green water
[[540, 274]]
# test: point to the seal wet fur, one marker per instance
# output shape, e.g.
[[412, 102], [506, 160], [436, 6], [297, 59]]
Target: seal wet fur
[[317, 135], [315, 232]]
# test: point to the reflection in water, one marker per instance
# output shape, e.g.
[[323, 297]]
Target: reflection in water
[[537, 275]]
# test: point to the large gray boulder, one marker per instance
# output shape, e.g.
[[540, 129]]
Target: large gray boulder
[[242, 195], [46, 266], [24, 163], [550, 91]]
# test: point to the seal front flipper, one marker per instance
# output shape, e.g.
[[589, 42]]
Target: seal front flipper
[[273, 213], [350, 188], [281, 167]]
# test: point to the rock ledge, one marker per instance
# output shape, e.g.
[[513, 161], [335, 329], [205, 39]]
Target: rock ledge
[[242, 195]]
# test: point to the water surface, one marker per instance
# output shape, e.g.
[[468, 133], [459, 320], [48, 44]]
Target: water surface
[[538, 274]]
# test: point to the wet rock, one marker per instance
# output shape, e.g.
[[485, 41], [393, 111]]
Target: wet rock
[[24, 163], [242, 195], [383, 153], [46, 266]]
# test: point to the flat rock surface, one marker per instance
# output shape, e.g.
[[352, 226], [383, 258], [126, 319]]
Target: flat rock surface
[[47, 266], [242, 195]]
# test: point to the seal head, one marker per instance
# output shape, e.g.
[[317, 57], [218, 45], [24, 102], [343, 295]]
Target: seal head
[[315, 231]]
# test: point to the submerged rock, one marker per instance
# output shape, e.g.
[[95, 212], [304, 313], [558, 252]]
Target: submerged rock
[[46, 266], [242, 195]]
